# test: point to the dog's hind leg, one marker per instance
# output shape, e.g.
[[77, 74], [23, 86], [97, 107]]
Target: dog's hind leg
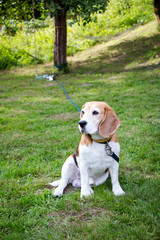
[[67, 175], [77, 182], [101, 179]]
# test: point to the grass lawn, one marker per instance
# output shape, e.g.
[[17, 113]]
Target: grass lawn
[[39, 129]]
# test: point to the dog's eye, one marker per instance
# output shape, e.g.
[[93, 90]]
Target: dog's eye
[[82, 112], [95, 113]]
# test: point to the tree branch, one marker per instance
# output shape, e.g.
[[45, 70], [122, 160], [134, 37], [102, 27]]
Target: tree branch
[[40, 60]]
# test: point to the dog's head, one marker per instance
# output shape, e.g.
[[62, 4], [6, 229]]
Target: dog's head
[[98, 117]]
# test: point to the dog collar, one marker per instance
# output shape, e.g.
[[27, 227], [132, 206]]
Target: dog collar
[[103, 141]]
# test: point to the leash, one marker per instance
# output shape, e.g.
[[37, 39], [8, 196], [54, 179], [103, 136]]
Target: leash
[[51, 78], [48, 76], [69, 96]]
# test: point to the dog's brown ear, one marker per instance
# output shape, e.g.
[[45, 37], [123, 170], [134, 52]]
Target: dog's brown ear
[[109, 123]]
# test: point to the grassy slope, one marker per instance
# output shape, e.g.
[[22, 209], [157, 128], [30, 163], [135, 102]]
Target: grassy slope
[[39, 130]]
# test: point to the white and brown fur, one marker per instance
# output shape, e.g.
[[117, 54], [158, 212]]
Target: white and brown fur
[[98, 122]]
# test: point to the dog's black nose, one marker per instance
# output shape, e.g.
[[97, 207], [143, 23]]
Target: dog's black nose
[[82, 124]]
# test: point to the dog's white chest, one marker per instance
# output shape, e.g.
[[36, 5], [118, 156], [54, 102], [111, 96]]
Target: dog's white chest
[[96, 159]]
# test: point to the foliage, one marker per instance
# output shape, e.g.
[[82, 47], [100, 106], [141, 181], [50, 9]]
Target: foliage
[[119, 16], [16, 51], [9, 58], [39, 131], [21, 10], [84, 9], [10, 27]]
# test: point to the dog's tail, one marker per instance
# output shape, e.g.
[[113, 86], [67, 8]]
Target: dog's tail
[[55, 183]]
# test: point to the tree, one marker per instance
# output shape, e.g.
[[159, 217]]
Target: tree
[[75, 10], [157, 10], [60, 40], [60, 9]]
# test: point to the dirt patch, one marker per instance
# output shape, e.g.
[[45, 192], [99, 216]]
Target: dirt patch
[[69, 189], [118, 57], [11, 99], [152, 176], [50, 84], [151, 64], [89, 72], [85, 85], [86, 214], [115, 79]]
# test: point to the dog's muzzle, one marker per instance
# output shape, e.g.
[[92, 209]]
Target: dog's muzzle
[[82, 124]]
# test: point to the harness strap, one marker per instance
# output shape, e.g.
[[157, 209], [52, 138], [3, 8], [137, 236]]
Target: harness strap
[[75, 159], [113, 155]]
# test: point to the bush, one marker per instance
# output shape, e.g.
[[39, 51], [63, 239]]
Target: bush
[[10, 28], [119, 16], [17, 50], [9, 58]]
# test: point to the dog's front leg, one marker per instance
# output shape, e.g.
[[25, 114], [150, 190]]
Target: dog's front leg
[[86, 190], [116, 188], [65, 175]]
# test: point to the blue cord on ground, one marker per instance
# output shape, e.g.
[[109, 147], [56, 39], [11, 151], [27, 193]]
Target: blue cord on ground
[[51, 78]]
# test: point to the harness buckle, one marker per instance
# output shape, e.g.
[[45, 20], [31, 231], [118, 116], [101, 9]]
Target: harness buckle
[[108, 149]]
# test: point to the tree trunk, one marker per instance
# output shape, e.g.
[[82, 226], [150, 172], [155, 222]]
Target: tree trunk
[[156, 4], [60, 42]]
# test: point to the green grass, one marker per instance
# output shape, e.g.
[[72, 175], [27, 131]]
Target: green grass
[[39, 129]]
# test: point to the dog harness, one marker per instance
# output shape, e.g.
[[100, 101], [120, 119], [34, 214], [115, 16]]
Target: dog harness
[[108, 148]]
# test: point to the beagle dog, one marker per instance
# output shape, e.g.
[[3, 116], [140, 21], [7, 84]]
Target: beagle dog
[[97, 153]]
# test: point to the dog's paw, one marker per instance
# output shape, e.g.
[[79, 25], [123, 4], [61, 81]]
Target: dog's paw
[[87, 192], [55, 183], [118, 191], [58, 192]]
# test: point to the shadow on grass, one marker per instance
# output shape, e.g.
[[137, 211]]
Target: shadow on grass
[[137, 55]]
